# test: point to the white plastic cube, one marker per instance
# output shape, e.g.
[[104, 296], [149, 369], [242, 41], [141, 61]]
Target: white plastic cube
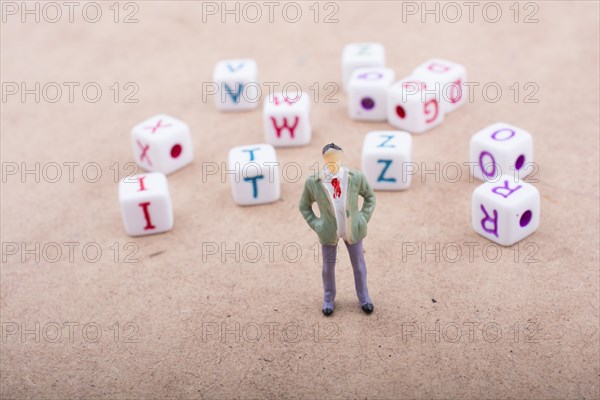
[[287, 119], [506, 211], [145, 204], [387, 159], [256, 179], [446, 77], [162, 144], [357, 55], [367, 93], [412, 107], [501, 149], [237, 83]]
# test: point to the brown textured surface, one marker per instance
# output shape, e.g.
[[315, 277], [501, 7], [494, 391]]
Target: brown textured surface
[[170, 293]]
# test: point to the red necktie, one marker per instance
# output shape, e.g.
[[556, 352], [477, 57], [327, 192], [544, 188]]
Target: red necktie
[[337, 190]]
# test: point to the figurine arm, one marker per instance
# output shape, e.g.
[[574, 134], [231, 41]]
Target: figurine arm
[[306, 201], [369, 198]]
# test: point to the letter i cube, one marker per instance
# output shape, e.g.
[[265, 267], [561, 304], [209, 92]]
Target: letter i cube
[[506, 211], [145, 204], [255, 174], [386, 159], [237, 82], [162, 144], [357, 55], [413, 106], [287, 120], [367, 93], [446, 77], [501, 149]]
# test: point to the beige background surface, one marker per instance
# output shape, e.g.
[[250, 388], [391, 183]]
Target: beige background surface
[[171, 298]]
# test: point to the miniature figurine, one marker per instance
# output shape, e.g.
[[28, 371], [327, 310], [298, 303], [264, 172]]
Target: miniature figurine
[[336, 190]]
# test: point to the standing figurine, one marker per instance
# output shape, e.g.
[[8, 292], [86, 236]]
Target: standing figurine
[[336, 190]]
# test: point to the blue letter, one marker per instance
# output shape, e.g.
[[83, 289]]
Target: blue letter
[[381, 177], [389, 137], [251, 151], [254, 185], [234, 96]]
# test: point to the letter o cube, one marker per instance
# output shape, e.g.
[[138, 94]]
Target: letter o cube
[[501, 149], [367, 93], [255, 174], [412, 106], [145, 204], [506, 211], [386, 159], [237, 85], [287, 120], [162, 144]]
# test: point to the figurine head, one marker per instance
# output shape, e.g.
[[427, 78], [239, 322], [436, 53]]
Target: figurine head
[[332, 155]]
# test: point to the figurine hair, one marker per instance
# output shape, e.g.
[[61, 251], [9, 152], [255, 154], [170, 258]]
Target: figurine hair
[[331, 146]]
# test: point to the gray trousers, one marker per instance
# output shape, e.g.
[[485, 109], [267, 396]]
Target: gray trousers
[[358, 265]]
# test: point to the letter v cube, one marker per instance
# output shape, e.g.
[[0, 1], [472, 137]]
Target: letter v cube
[[162, 144], [255, 173], [237, 82], [287, 120], [145, 204], [386, 159], [505, 211]]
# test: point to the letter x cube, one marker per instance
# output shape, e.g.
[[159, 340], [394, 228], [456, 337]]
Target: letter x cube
[[162, 144]]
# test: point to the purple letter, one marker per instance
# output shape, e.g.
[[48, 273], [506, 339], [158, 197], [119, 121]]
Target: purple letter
[[510, 191], [494, 220]]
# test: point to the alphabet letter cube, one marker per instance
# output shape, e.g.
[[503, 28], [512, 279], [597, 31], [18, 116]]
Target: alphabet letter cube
[[507, 211], [412, 106], [256, 174], [356, 55], [162, 144], [367, 93], [145, 204], [446, 77], [386, 159], [238, 88], [287, 120], [501, 149]]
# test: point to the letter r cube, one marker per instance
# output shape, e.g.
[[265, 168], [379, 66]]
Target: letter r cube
[[505, 211]]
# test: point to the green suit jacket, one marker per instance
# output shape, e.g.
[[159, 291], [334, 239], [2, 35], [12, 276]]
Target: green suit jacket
[[326, 225]]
